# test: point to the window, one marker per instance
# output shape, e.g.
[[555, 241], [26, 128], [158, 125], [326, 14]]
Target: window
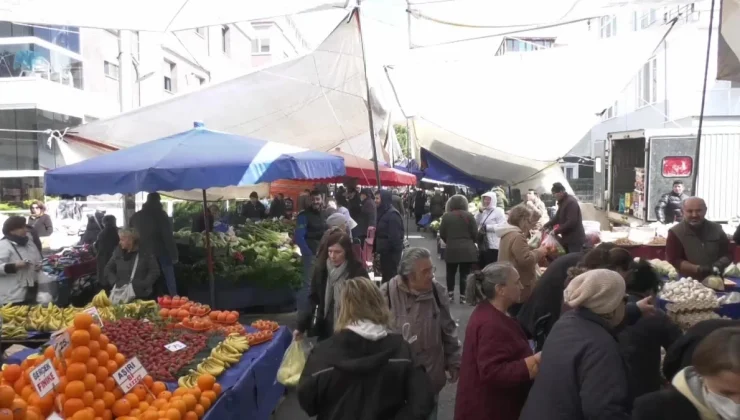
[[225, 40], [169, 71], [528, 44], [647, 18], [647, 83], [201, 31], [677, 166], [135, 45], [608, 25], [734, 84], [196, 80], [570, 170], [111, 70], [611, 112], [261, 46]]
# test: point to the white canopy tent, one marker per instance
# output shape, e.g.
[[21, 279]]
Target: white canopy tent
[[728, 66], [315, 101], [158, 15], [508, 119]]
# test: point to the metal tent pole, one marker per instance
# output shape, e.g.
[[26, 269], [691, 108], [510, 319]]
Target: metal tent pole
[[703, 102], [369, 99], [209, 254]]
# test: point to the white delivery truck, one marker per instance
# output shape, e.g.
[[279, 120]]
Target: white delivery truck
[[633, 169]]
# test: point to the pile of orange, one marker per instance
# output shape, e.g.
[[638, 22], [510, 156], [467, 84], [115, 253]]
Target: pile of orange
[[88, 392], [224, 317]]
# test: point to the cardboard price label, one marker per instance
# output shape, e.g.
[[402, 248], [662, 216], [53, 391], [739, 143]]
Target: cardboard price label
[[129, 375], [54, 416], [175, 346], [61, 341], [44, 378], [95, 315]]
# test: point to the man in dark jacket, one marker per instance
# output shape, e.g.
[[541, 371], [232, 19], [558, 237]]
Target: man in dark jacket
[[388, 236], [310, 227], [105, 245], [254, 209], [568, 219], [437, 205], [156, 238], [669, 208], [697, 247], [420, 203], [354, 203], [277, 207], [367, 216]]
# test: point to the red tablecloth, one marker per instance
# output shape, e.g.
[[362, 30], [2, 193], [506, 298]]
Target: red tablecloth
[[652, 252]]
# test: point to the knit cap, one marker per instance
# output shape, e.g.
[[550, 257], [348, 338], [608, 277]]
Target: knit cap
[[599, 290], [336, 219]]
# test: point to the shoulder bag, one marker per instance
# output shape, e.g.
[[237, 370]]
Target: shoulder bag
[[125, 293], [481, 239]]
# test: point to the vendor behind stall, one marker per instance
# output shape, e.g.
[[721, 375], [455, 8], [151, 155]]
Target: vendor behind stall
[[128, 265], [669, 206], [254, 209], [697, 247]]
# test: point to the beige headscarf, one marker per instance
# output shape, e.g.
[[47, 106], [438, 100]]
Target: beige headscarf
[[599, 290]]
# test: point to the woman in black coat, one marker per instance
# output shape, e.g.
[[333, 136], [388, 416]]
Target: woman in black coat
[[388, 236], [458, 229], [363, 371], [335, 264], [709, 389], [642, 342]]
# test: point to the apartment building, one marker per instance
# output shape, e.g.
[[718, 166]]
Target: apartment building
[[667, 91], [59, 77]]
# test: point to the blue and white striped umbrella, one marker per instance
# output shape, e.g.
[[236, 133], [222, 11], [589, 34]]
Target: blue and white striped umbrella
[[196, 159]]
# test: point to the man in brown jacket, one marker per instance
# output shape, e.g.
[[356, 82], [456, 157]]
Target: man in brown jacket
[[421, 312], [568, 220]]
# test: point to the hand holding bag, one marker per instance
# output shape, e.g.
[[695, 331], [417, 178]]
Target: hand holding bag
[[481, 238], [125, 293]]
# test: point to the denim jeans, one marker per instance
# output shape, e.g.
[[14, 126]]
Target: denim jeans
[[168, 270], [302, 303]]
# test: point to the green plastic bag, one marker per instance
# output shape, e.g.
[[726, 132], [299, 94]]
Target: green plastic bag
[[293, 363]]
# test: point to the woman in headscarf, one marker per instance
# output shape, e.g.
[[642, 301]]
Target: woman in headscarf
[[388, 236], [709, 389], [487, 219], [582, 374], [363, 368], [334, 265], [458, 229], [497, 362], [368, 215]]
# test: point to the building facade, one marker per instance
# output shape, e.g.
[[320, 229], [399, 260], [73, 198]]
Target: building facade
[[59, 77]]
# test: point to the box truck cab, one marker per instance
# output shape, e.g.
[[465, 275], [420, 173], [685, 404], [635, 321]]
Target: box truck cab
[[637, 167]]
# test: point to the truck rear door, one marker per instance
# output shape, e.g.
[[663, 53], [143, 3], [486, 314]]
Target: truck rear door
[[670, 158]]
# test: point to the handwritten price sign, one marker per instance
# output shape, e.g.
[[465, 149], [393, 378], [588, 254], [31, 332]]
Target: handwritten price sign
[[175, 346], [129, 375], [44, 378], [60, 341], [95, 315]]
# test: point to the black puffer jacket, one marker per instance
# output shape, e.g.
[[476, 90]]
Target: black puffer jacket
[[668, 209], [389, 231], [582, 375], [641, 346], [352, 377], [367, 216]]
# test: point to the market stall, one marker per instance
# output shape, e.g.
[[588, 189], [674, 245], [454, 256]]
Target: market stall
[[176, 348], [196, 159]]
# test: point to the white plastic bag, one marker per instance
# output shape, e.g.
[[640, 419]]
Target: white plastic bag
[[292, 365]]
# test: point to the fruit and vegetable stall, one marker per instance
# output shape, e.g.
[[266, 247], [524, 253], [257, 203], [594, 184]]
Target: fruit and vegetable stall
[[254, 264], [171, 359]]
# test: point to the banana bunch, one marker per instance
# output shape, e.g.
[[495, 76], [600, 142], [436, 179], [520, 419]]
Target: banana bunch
[[238, 342], [190, 380], [47, 318], [211, 366], [16, 314], [69, 315], [107, 314], [14, 331], [101, 300]]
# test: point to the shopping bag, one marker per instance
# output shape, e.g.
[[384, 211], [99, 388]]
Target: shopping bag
[[535, 240], [553, 246], [123, 294], [292, 365]]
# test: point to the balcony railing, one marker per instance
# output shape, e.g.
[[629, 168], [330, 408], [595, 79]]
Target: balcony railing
[[33, 60]]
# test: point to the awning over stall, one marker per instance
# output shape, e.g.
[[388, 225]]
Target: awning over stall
[[508, 119], [728, 55]]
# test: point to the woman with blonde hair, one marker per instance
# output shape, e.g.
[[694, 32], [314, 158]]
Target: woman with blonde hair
[[515, 249], [363, 368]]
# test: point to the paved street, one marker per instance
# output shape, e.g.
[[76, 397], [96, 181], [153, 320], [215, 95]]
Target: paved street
[[289, 408]]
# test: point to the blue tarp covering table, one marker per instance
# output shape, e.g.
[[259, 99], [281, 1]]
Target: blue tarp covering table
[[250, 390]]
